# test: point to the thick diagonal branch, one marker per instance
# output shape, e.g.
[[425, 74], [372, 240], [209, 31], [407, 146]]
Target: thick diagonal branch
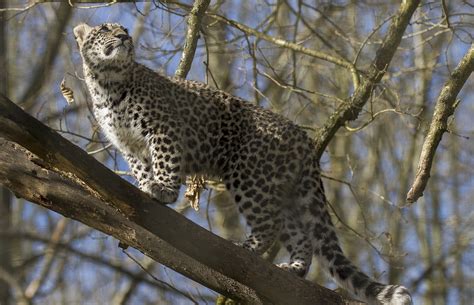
[[444, 108], [26, 176], [70, 182], [350, 110]]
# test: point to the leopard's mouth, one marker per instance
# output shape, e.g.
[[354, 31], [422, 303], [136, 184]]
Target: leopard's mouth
[[108, 49], [111, 47]]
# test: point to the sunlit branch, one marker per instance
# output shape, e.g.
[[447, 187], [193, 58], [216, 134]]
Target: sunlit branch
[[192, 36], [445, 106]]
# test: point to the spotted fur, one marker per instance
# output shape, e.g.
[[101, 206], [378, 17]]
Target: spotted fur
[[169, 128]]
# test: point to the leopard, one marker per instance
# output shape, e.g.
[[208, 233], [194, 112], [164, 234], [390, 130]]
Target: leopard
[[169, 128]]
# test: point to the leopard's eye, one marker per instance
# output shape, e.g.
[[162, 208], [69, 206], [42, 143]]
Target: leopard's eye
[[104, 29]]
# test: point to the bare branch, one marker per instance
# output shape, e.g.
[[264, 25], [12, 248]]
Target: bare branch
[[18, 9], [350, 110], [444, 108], [446, 13], [192, 36]]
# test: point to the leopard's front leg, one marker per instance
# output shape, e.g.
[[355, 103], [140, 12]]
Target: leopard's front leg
[[166, 164], [155, 177], [141, 170]]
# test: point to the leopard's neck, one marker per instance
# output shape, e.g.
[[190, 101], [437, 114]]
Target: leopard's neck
[[108, 85]]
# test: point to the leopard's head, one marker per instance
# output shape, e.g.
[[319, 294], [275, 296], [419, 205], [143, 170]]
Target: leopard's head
[[108, 44]]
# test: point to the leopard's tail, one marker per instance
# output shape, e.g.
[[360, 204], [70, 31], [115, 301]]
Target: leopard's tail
[[348, 276], [332, 259]]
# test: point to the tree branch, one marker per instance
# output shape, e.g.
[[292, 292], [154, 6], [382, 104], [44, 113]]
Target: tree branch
[[444, 108], [192, 36], [349, 111], [63, 178], [27, 177]]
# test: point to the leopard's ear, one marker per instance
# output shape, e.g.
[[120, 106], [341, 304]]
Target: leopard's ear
[[80, 33]]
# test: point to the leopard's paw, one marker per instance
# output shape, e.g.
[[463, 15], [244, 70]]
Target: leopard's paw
[[160, 192]]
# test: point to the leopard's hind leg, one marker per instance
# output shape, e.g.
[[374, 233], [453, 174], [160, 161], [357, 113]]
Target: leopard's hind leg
[[300, 216], [260, 210]]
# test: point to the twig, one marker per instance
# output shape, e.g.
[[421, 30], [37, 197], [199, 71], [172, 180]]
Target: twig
[[93, 152], [445, 106], [71, 3], [445, 13], [372, 118], [21, 9]]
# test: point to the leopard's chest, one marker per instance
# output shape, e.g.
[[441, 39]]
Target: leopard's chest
[[117, 128]]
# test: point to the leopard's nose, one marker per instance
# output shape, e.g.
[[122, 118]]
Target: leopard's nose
[[122, 37]]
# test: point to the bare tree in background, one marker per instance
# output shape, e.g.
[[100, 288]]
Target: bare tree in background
[[386, 114]]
